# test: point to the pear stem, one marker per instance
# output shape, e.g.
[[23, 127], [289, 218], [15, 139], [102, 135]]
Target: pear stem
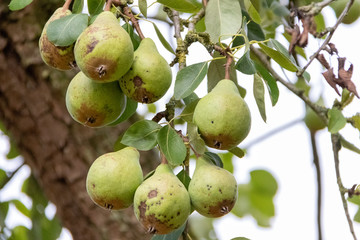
[[127, 11], [108, 5], [163, 159], [66, 5]]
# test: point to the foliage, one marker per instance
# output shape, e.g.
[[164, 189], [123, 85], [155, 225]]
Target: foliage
[[241, 37]]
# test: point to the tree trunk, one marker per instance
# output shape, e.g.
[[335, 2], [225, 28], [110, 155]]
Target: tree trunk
[[58, 150]]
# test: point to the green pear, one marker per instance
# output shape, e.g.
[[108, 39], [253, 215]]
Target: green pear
[[212, 190], [61, 58], [312, 120], [113, 179], [150, 75], [94, 104], [104, 51], [222, 116], [161, 202]]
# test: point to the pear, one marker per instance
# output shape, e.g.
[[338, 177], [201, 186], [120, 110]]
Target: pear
[[161, 202], [104, 51], [94, 104], [149, 77], [222, 116], [212, 190], [113, 179], [61, 58], [312, 120]]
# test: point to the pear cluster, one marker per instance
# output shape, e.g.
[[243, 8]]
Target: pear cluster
[[111, 71]]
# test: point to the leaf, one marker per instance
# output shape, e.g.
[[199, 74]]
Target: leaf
[[187, 6], [163, 40], [135, 39], [216, 71], [188, 112], [214, 158], [141, 135], [65, 31], [130, 109], [32, 188], [77, 6], [355, 121], [143, 7], [13, 151], [222, 19], [188, 79], [192, 97], [19, 233], [336, 120], [18, 4], [21, 207], [194, 138], [227, 161], [279, 9], [50, 229], [184, 178], [172, 146], [4, 208], [278, 57], [270, 83], [245, 64], [349, 145], [259, 94], [240, 238], [175, 235], [237, 152], [3, 179], [95, 6]]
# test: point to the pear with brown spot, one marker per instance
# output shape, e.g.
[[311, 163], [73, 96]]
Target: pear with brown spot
[[150, 75], [59, 57], [113, 178], [104, 51], [212, 190], [222, 116], [161, 202], [94, 104]]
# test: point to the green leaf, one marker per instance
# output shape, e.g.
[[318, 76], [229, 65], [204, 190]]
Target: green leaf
[[188, 79], [240, 238], [130, 109], [95, 6], [259, 94], [355, 121], [270, 83], [50, 229], [32, 188], [279, 9], [200, 25], [13, 151], [222, 17], [188, 112], [4, 208], [141, 135], [278, 57], [227, 161], [19, 233], [187, 6], [184, 178], [78, 6], [21, 207], [135, 39], [174, 235], [18, 4], [192, 97], [262, 181], [143, 7], [213, 157], [65, 31], [163, 40], [216, 71], [245, 64], [237, 152], [194, 138], [349, 145], [336, 120], [3, 179], [172, 146]]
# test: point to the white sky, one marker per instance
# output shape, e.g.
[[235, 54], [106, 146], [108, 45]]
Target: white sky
[[287, 155]]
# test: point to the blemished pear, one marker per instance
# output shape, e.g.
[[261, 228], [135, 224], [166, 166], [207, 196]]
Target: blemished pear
[[150, 75], [113, 179], [104, 51], [212, 190], [161, 202], [94, 104], [222, 116], [61, 58]]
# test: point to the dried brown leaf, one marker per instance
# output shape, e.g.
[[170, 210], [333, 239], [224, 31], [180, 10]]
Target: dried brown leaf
[[331, 79], [323, 61], [333, 49]]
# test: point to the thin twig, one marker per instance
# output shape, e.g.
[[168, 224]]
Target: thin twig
[[196, 19], [327, 40], [66, 5], [335, 140], [318, 180], [108, 5], [229, 60], [127, 11]]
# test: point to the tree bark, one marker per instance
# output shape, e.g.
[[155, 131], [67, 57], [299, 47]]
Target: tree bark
[[58, 150]]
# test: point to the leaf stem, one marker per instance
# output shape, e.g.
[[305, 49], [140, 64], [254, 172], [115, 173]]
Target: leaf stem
[[66, 5], [335, 140], [108, 5]]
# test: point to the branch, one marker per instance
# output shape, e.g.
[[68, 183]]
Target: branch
[[318, 178], [181, 49], [196, 19], [66, 5], [327, 40], [335, 139], [127, 11]]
